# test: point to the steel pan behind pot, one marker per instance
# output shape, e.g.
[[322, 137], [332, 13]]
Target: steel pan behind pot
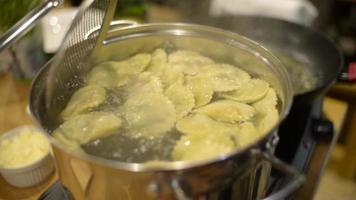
[[317, 52], [90, 177]]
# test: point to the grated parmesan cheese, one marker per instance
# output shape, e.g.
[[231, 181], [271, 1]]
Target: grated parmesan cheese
[[23, 149]]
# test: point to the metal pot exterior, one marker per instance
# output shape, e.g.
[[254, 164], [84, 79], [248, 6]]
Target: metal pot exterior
[[88, 177], [88, 180]]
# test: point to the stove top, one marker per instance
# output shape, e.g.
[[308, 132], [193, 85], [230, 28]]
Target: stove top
[[297, 135], [306, 139]]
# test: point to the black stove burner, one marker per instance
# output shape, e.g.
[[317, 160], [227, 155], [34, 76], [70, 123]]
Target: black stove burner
[[298, 134], [291, 132]]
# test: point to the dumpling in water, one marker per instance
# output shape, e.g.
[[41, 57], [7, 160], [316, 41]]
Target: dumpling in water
[[71, 144], [84, 128], [199, 123], [159, 66], [170, 75], [144, 83], [189, 61], [148, 115], [249, 92], [84, 99], [225, 77], [267, 121], [158, 62], [200, 146], [182, 98], [132, 66], [201, 88], [246, 135], [267, 103], [104, 75], [227, 111]]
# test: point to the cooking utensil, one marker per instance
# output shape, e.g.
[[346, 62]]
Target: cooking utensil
[[75, 55], [27, 23], [90, 177]]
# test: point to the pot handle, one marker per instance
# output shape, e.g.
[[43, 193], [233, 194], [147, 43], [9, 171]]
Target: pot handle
[[178, 190], [297, 178]]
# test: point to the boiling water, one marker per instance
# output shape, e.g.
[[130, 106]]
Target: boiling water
[[153, 136], [121, 146], [127, 149]]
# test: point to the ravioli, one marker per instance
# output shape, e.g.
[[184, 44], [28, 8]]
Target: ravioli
[[72, 144], [131, 66], [104, 75], [189, 61], [199, 123], [84, 99], [158, 62], [225, 77], [249, 92], [267, 103], [144, 83], [246, 135], [87, 127], [148, 115], [201, 88], [182, 98], [267, 121], [170, 75], [227, 111], [134, 64], [213, 108], [159, 66], [200, 146]]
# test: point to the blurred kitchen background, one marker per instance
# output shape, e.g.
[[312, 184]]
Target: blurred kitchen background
[[334, 18]]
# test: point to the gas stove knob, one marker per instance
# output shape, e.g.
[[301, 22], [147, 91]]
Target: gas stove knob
[[322, 128]]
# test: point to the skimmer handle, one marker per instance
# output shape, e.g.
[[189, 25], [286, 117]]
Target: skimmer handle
[[26, 23]]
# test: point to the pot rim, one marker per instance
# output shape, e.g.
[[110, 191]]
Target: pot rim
[[174, 165]]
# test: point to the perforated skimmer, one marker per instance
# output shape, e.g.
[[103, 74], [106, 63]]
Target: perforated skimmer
[[75, 56]]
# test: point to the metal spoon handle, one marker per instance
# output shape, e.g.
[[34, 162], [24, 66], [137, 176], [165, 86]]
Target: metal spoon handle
[[26, 23]]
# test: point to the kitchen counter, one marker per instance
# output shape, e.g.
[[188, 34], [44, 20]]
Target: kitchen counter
[[347, 92], [8, 192], [13, 102]]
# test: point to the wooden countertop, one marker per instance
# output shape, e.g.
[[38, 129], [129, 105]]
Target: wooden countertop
[[13, 102]]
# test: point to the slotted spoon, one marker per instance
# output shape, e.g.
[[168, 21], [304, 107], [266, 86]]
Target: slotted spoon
[[75, 56]]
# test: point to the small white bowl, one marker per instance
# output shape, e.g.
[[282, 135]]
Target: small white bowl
[[31, 174]]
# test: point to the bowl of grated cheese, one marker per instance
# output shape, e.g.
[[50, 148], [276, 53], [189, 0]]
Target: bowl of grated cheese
[[25, 156]]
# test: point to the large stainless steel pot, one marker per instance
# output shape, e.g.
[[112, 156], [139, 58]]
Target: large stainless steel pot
[[90, 177]]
